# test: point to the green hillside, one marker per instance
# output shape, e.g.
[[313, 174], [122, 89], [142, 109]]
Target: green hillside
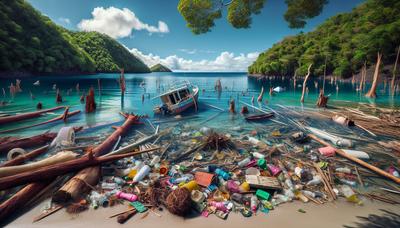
[[346, 40], [160, 68], [108, 54], [33, 44]]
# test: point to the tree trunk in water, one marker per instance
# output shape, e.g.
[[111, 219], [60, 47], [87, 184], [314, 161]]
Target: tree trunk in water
[[305, 83], [260, 97], [90, 102], [372, 92], [394, 71]]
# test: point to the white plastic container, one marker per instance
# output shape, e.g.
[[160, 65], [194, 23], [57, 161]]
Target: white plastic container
[[143, 172]]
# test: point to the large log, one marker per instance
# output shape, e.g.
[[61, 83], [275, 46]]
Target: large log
[[24, 143], [82, 182], [26, 116], [22, 158], [358, 161], [73, 188], [52, 171], [61, 117], [55, 159], [19, 199]]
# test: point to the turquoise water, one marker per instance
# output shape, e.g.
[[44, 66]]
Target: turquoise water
[[235, 85]]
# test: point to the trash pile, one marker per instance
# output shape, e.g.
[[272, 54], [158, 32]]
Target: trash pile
[[190, 169]]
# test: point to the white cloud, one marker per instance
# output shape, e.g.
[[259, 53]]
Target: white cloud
[[64, 20], [226, 61], [194, 51], [118, 23]]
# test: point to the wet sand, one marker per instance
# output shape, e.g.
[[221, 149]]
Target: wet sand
[[329, 215]]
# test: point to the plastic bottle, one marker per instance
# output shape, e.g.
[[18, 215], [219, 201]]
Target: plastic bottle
[[143, 172], [118, 180], [344, 143], [262, 163], [232, 186], [275, 170], [155, 160], [237, 197], [343, 170], [350, 195], [222, 174], [244, 187], [219, 205], [127, 196], [348, 182], [315, 181], [137, 166], [109, 186], [258, 155], [244, 162], [191, 185], [254, 203]]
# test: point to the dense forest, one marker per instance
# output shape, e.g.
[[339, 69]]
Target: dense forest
[[345, 41], [32, 43], [160, 68]]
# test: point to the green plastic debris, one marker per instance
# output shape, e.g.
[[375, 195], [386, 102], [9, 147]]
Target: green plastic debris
[[138, 206], [261, 194]]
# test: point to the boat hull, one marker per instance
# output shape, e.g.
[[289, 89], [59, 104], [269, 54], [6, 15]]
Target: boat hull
[[185, 105]]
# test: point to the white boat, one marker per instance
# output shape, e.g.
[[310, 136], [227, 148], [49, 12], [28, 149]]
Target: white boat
[[179, 98]]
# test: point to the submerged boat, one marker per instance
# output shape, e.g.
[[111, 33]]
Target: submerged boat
[[179, 98], [259, 117]]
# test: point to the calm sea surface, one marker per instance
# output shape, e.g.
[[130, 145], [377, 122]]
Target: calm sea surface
[[235, 85]]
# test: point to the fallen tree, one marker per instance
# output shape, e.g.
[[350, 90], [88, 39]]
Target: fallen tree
[[52, 171], [24, 143], [78, 185]]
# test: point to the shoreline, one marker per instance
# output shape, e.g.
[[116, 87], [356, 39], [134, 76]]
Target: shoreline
[[285, 215]]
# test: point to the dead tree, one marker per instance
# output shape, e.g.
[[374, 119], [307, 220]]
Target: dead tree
[[305, 83], [372, 92], [394, 71]]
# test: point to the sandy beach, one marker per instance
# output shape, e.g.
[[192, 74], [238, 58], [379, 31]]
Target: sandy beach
[[328, 215]]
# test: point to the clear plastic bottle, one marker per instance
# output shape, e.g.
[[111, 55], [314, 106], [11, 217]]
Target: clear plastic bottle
[[350, 195]]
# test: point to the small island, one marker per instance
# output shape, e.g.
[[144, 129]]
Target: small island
[[160, 68]]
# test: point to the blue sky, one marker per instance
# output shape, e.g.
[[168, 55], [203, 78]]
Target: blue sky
[[171, 42]]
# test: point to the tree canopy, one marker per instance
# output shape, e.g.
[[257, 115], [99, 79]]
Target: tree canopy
[[201, 14], [346, 41]]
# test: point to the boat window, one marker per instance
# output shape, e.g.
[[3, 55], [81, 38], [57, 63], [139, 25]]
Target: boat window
[[183, 94], [172, 98]]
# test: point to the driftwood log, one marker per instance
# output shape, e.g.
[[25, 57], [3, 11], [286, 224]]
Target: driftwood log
[[55, 159], [63, 117], [24, 143], [358, 161], [26, 116], [19, 199], [52, 171], [89, 176], [25, 157]]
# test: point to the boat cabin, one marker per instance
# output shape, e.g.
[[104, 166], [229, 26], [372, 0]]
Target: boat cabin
[[176, 96]]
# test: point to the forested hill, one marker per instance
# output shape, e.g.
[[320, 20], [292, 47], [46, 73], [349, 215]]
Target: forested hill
[[346, 41], [108, 54], [31, 43], [160, 68]]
